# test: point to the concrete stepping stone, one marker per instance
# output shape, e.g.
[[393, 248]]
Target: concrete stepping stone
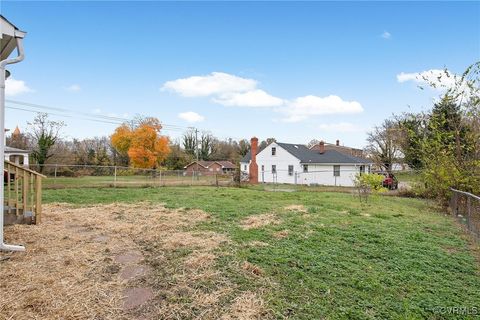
[[135, 297], [129, 257], [133, 271]]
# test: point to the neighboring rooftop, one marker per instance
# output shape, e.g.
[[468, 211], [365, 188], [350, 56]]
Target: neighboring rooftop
[[225, 164], [306, 155], [15, 150]]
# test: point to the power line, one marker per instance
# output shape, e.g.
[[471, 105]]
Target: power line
[[100, 118], [86, 116]]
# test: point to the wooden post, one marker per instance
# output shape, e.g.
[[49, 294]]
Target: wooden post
[[38, 200], [25, 191], [55, 177], [17, 177], [8, 189], [216, 179]]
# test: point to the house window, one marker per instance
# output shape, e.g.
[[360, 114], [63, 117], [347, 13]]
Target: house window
[[305, 168], [244, 167], [362, 170], [263, 168], [290, 170], [336, 171], [274, 151], [274, 168]]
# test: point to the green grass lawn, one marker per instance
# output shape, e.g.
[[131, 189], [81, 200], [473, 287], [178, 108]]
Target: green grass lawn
[[392, 258]]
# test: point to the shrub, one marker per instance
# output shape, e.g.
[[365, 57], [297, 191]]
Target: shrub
[[367, 183]]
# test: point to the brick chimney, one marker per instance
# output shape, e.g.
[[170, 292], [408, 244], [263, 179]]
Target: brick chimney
[[321, 147], [337, 143], [253, 168]]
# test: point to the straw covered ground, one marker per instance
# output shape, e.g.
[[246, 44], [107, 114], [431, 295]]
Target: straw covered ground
[[119, 261]]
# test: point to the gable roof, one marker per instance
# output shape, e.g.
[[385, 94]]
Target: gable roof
[[306, 155]]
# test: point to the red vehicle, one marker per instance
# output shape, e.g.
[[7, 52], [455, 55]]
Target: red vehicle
[[389, 181]]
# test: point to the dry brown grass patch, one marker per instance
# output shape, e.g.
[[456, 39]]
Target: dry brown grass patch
[[252, 269], [256, 243], [259, 221], [200, 260], [281, 234], [247, 306], [69, 270], [296, 208]]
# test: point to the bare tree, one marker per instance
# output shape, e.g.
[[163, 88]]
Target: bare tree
[[44, 134], [383, 144]]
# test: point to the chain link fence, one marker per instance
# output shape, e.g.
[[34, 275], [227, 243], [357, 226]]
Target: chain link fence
[[466, 208], [84, 176]]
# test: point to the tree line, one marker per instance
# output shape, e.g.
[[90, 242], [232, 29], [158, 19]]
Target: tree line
[[138, 143], [443, 143]]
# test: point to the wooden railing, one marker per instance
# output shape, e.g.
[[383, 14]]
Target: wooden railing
[[23, 194]]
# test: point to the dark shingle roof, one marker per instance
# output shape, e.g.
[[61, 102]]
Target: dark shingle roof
[[306, 155]]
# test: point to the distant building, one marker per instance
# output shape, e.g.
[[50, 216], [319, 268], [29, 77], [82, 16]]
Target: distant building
[[209, 167], [297, 164], [355, 152], [17, 156]]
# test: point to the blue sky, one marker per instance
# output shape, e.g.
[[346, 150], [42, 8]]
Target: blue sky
[[294, 71]]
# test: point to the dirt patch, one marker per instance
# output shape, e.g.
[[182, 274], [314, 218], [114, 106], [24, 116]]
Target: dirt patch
[[84, 263], [296, 208], [259, 221]]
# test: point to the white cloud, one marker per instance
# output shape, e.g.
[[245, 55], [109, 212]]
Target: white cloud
[[440, 80], [254, 98], [386, 35], [191, 117], [343, 127], [15, 87], [74, 88], [213, 84], [303, 107], [97, 111], [230, 90]]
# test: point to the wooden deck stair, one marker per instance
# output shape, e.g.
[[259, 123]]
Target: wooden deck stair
[[23, 194]]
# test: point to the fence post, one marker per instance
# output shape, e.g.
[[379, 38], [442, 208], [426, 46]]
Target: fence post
[[160, 178], [469, 212], [55, 178], [115, 177]]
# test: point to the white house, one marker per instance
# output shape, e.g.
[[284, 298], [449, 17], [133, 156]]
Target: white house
[[17, 156], [297, 164]]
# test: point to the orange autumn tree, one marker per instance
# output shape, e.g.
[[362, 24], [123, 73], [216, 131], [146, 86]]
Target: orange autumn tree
[[142, 142]]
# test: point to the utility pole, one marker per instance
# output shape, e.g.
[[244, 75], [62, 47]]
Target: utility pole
[[196, 147]]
